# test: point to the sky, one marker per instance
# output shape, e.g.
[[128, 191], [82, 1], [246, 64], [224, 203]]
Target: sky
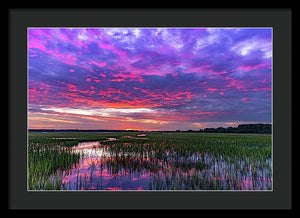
[[148, 78]]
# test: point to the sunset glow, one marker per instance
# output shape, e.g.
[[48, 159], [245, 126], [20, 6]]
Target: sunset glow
[[148, 78]]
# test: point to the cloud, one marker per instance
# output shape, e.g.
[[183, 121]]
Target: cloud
[[151, 77]]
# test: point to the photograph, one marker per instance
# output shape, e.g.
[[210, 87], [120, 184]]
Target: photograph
[[149, 109]]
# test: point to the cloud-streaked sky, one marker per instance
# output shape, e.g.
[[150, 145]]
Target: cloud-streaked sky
[[148, 78]]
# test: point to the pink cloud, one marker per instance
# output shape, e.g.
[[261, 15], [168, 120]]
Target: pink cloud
[[99, 64], [246, 99], [212, 89], [248, 68]]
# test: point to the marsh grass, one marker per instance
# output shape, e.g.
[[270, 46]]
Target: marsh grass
[[173, 161], [44, 161]]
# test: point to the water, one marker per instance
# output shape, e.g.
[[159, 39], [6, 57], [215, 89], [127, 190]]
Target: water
[[101, 169]]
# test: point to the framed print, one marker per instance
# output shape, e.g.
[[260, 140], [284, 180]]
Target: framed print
[[165, 109]]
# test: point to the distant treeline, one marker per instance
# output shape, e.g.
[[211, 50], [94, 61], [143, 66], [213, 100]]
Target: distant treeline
[[242, 128]]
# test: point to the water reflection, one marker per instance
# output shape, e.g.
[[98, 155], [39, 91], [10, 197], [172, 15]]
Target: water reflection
[[86, 145], [101, 169]]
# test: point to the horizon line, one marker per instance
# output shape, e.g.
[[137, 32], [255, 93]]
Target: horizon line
[[148, 130]]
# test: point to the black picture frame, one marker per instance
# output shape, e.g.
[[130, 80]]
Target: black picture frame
[[278, 19]]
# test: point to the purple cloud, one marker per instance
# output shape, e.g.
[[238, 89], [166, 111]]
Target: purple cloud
[[182, 77]]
